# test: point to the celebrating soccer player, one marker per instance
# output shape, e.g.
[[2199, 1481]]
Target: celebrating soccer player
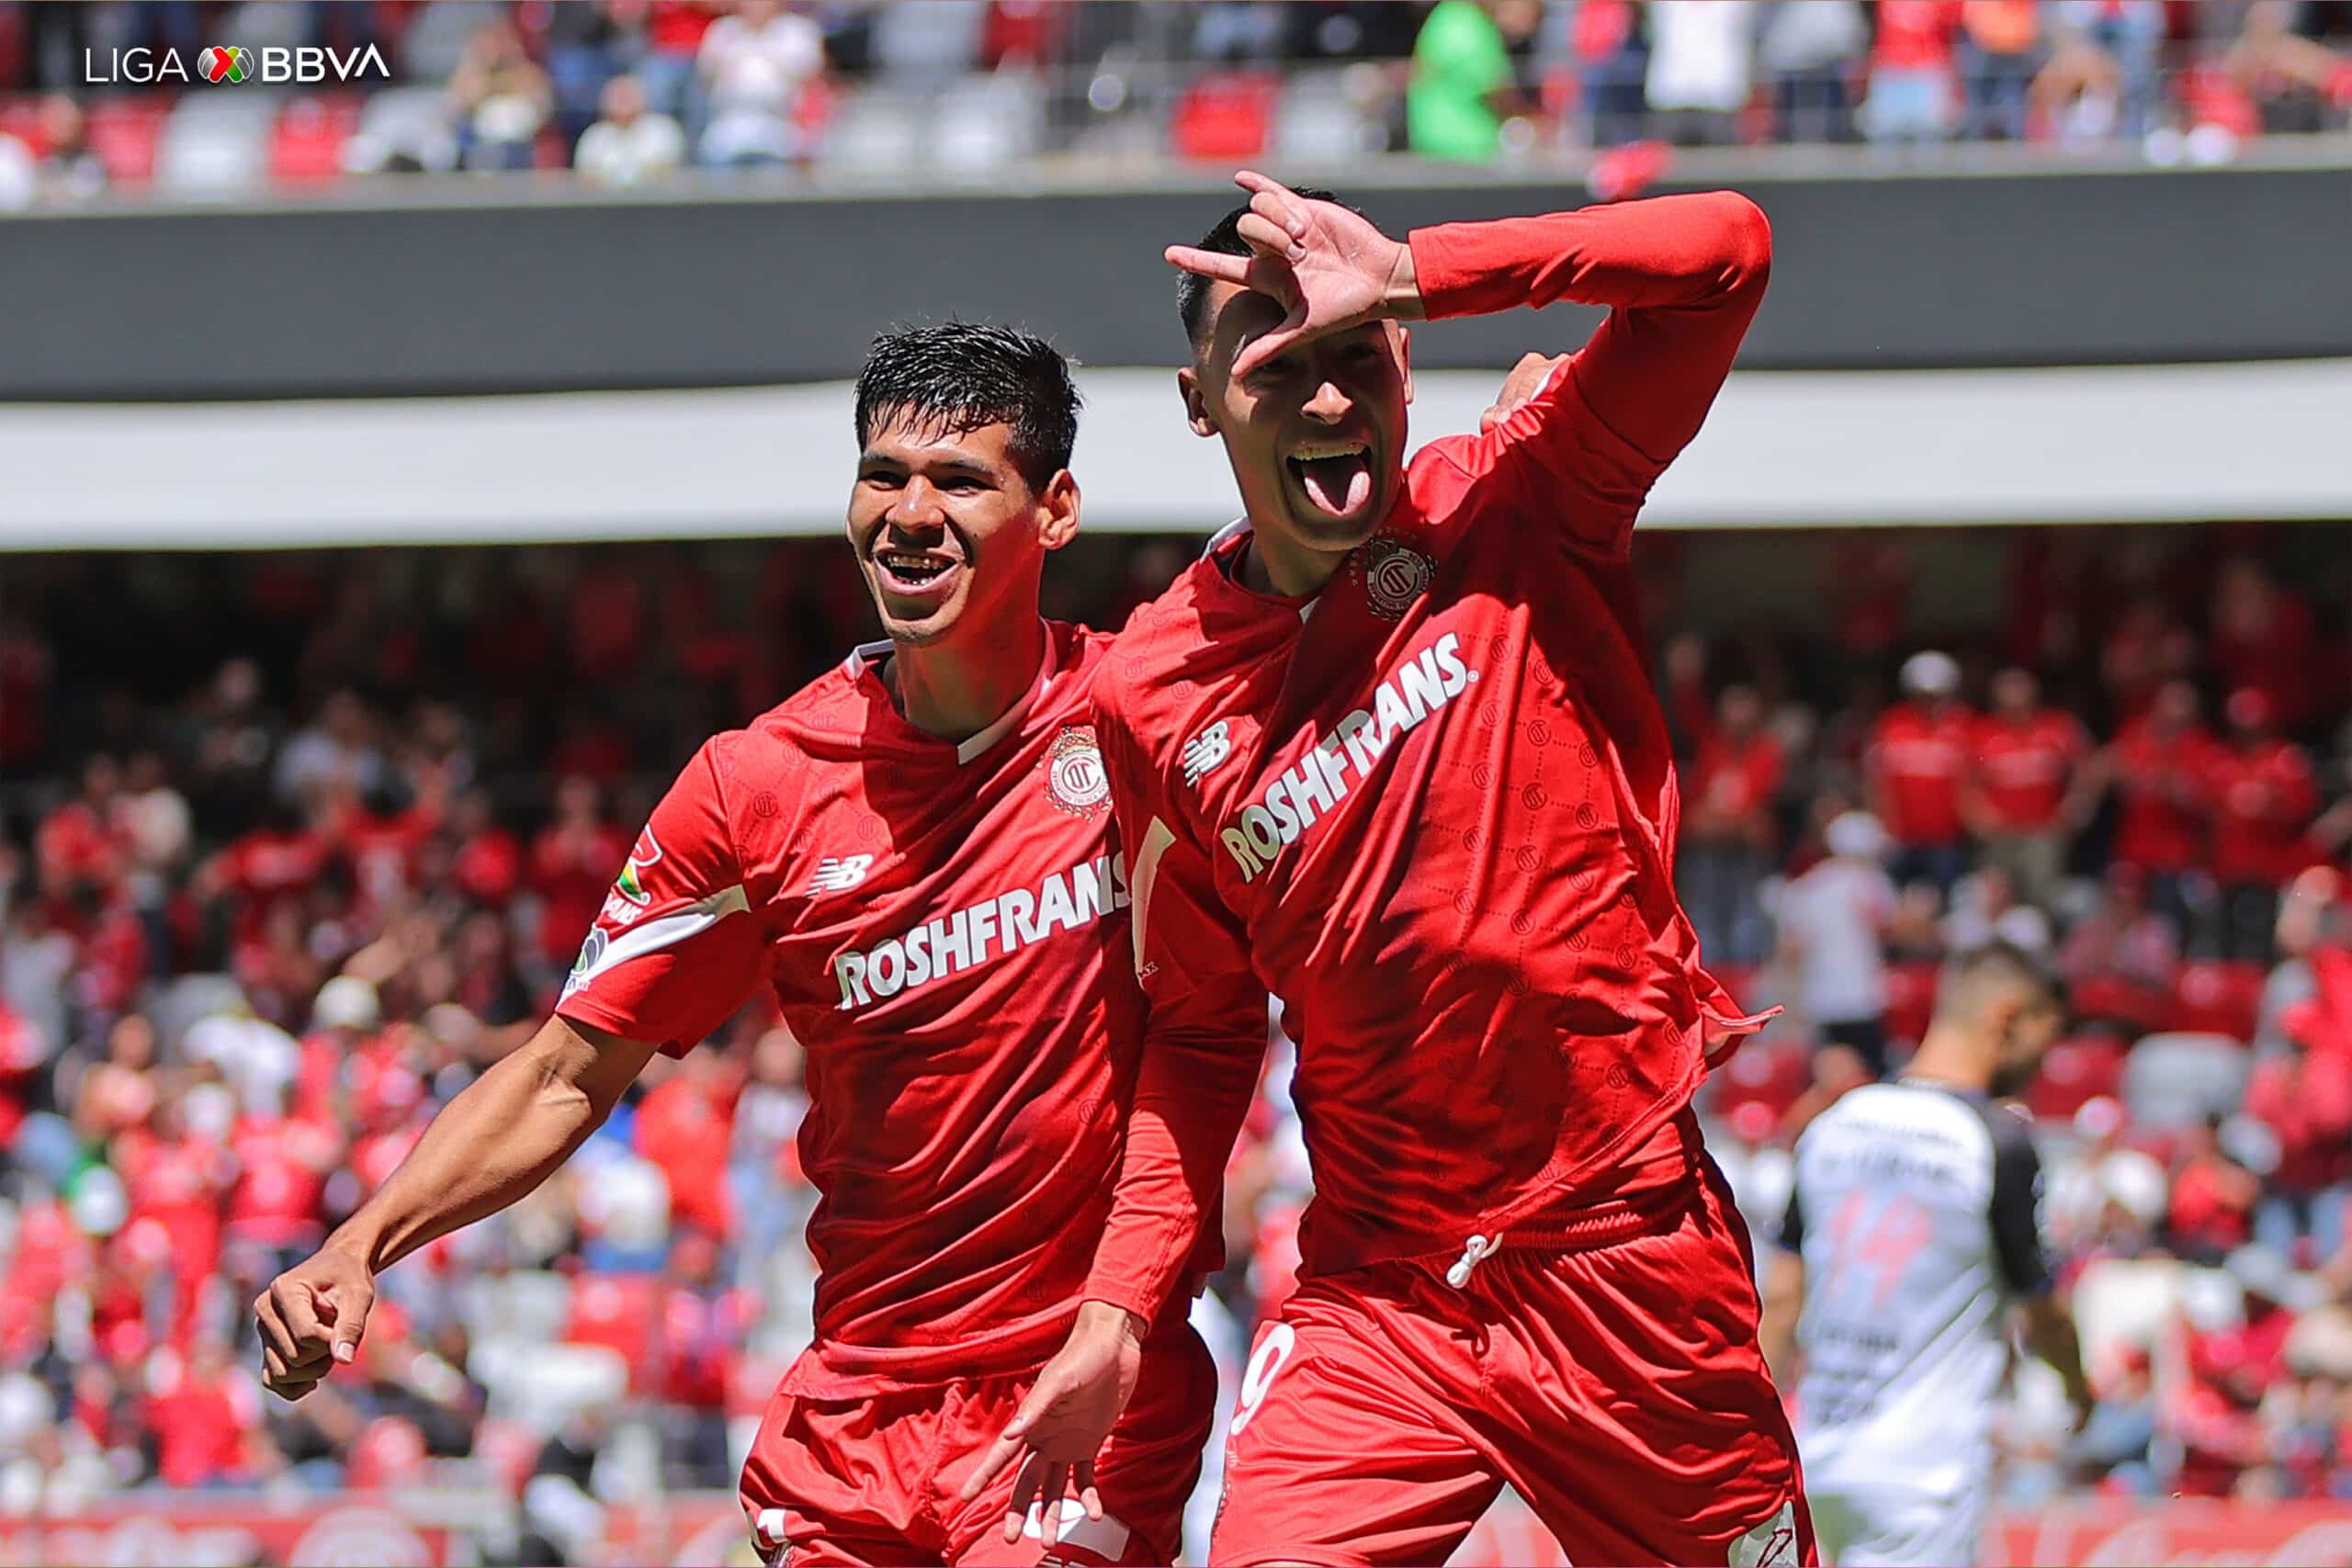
[[917, 852], [1390, 751]]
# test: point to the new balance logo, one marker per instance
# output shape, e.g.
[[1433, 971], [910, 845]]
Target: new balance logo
[[1205, 750], [839, 874]]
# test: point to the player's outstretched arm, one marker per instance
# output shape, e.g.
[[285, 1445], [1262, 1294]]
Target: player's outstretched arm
[[2050, 1335], [494, 1143]]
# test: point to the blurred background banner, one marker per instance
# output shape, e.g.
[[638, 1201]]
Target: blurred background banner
[[405, 476]]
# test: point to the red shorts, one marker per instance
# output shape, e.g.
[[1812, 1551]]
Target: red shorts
[[874, 1480], [1618, 1390]]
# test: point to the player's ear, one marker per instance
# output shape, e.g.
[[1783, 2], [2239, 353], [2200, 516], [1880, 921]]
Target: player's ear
[[1058, 511], [1196, 403], [1404, 360]]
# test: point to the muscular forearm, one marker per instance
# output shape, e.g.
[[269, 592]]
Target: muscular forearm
[[499, 1139]]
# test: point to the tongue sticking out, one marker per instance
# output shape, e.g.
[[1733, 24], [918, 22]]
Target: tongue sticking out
[[1339, 485]]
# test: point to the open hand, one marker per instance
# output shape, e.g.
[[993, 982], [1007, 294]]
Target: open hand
[[1328, 266], [1066, 1419]]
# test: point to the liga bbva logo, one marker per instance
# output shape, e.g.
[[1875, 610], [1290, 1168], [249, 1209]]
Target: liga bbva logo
[[225, 65]]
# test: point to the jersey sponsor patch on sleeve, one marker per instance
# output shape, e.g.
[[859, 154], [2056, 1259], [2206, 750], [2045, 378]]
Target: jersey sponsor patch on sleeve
[[1772, 1544]]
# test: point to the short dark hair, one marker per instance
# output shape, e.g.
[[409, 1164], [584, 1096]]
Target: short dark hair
[[1192, 290], [1974, 979], [958, 375]]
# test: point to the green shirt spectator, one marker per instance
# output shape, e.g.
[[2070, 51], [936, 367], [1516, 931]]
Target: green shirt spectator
[[1459, 61]]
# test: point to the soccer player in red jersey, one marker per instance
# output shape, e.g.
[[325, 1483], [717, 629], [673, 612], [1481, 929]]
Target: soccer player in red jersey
[[1390, 751], [917, 853]]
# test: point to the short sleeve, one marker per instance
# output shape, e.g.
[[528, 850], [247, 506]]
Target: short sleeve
[[675, 949], [2015, 1205], [1791, 1237]]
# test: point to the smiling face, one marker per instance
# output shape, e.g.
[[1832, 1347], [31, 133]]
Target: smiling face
[[1315, 435], [948, 533]]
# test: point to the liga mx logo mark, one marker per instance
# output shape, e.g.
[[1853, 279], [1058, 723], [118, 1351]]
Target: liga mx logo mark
[[1394, 576], [1075, 781], [231, 64]]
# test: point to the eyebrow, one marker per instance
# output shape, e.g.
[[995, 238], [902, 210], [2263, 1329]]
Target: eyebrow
[[972, 466]]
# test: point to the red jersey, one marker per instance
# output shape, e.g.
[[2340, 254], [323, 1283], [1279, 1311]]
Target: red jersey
[[2165, 789], [2023, 768], [945, 926], [1433, 809], [1733, 783], [282, 1165], [1918, 758], [2262, 799]]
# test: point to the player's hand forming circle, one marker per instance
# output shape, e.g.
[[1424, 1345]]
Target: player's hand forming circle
[[1065, 1420], [1328, 266], [1526, 380], [310, 1319]]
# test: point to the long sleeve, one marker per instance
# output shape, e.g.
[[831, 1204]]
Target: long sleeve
[[1204, 1040], [1683, 277]]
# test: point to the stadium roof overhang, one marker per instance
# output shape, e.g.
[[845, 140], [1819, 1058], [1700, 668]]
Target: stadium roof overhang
[[2140, 443]]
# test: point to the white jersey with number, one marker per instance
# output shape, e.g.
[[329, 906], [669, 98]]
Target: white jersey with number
[[1914, 1211]]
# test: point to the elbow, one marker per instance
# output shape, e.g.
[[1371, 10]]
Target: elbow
[[1747, 242]]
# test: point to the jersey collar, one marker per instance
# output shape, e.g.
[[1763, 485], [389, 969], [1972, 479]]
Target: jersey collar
[[867, 658], [1224, 558]]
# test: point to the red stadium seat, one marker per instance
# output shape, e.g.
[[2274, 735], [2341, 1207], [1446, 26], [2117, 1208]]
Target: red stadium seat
[[2073, 1072], [306, 142], [621, 1313], [2218, 997], [2126, 1004], [123, 132], [1225, 116], [1910, 998]]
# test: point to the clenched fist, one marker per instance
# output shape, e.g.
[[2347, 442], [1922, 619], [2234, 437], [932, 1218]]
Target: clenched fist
[[1526, 379], [310, 1319]]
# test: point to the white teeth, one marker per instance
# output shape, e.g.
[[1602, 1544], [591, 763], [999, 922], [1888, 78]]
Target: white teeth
[[1314, 449]]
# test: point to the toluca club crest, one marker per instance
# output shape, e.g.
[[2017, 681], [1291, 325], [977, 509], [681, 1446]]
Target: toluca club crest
[[1394, 576], [1075, 781]]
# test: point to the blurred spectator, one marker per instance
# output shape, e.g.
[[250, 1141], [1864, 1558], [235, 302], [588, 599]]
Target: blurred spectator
[[2303, 1095], [573, 862], [1697, 71], [2263, 640], [2264, 796], [1463, 86], [2025, 793], [335, 754], [2000, 44], [2294, 82], [584, 44], [1727, 838], [2212, 1196], [500, 99], [2161, 765], [1918, 753], [2129, 35], [754, 62], [1810, 49], [70, 170], [2106, 1198], [82, 847], [1832, 921], [2119, 959], [19, 174], [630, 145], [1985, 909], [1911, 72], [207, 1420], [1612, 53], [674, 31]]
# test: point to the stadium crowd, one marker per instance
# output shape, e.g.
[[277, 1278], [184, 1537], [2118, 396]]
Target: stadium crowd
[[628, 91], [289, 850]]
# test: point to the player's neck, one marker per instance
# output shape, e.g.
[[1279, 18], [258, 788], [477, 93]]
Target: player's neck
[[1951, 1060], [1271, 564], [955, 690]]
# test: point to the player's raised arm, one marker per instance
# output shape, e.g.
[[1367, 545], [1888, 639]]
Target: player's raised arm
[[1205, 1042]]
